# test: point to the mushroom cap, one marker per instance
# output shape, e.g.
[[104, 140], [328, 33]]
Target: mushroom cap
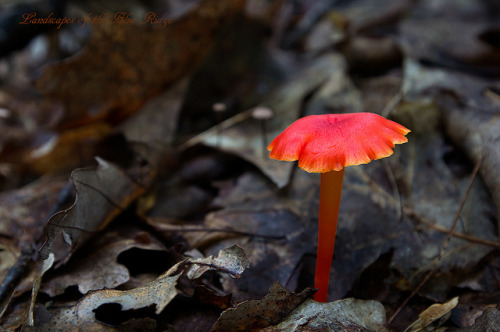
[[330, 142]]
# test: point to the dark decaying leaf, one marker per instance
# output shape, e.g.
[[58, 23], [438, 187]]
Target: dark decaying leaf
[[267, 226], [257, 314], [431, 209], [101, 194]]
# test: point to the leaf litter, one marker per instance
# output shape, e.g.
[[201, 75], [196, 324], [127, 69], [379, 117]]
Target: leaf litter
[[185, 205]]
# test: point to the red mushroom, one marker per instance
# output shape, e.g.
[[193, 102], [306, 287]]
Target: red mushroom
[[326, 144]]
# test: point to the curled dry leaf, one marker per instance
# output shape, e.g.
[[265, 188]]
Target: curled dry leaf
[[47, 264], [232, 261], [159, 292], [432, 314], [101, 194], [257, 314]]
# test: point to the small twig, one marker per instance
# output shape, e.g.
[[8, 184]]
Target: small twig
[[13, 276], [445, 244], [391, 105], [429, 223], [217, 129], [395, 188], [189, 229], [16, 272]]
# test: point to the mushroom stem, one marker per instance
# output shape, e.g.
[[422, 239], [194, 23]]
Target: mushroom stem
[[329, 204]]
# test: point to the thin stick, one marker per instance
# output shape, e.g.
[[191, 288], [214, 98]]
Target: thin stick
[[203, 229], [445, 244], [429, 223]]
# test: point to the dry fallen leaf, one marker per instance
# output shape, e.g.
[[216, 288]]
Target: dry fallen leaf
[[140, 61], [159, 292], [100, 269], [232, 261], [432, 314], [102, 194], [25, 210], [257, 314], [47, 264], [343, 315]]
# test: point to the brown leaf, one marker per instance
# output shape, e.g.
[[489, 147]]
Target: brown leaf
[[257, 314], [24, 211], [67, 150], [102, 194], [140, 60], [431, 314]]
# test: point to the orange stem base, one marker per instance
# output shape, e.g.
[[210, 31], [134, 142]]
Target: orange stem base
[[329, 205]]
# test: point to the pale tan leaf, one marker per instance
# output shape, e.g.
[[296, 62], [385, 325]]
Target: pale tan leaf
[[431, 314]]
